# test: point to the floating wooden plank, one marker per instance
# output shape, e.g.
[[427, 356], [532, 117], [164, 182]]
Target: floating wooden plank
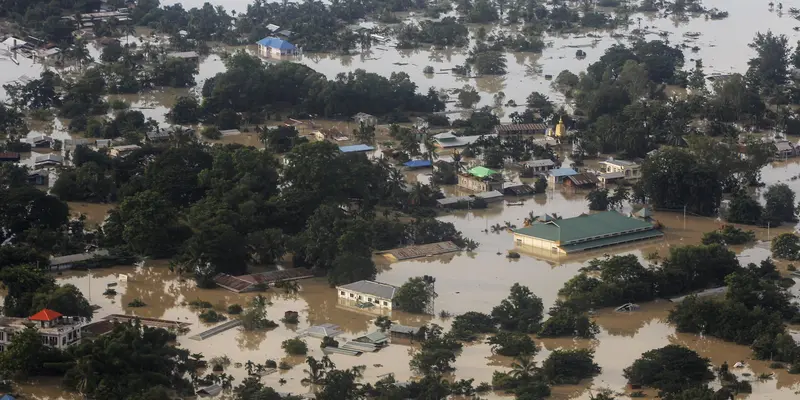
[[424, 250]]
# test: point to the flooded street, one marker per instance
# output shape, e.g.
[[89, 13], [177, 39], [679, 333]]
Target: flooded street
[[465, 281]]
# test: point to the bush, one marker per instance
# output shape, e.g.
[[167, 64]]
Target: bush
[[200, 304], [295, 347], [469, 325], [427, 70], [786, 246], [110, 292], [211, 316], [570, 366], [669, 369], [234, 309], [271, 364], [284, 366], [291, 317], [136, 303], [328, 342], [211, 132], [118, 104], [729, 235], [512, 344]]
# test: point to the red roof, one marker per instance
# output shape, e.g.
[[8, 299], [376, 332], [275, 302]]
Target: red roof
[[45, 315]]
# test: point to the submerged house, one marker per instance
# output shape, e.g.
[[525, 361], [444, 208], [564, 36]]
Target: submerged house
[[368, 294], [49, 160], [272, 46], [584, 232], [481, 179], [559, 175], [366, 119], [785, 149], [56, 330], [630, 170]]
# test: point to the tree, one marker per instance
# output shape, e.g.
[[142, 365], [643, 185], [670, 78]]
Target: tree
[[779, 204], [670, 369], [365, 133], [744, 209], [66, 299], [112, 52], [675, 178], [435, 356], [770, 67], [490, 63], [22, 283], [294, 347], [569, 366], [414, 296], [521, 312], [697, 78], [185, 111], [512, 344], [351, 267], [786, 246], [540, 186], [27, 355], [566, 320], [148, 355], [174, 72], [149, 224], [598, 199]]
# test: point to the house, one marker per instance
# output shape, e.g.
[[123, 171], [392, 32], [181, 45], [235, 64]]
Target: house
[[584, 232], [538, 166], [784, 149], [74, 260], [49, 160], [517, 189], [630, 170], [376, 338], [38, 178], [397, 330], [356, 148], [414, 164], [582, 181], [481, 179], [122, 151], [56, 330], [72, 144], [157, 135], [558, 175], [520, 129], [185, 55], [368, 294], [447, 140], [611, 177], [41, 141], [272, 46], [366, 119], [9, 157]]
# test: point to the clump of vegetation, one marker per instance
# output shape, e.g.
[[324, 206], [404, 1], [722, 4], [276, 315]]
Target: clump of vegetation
[[234, 309], [284, 366], [254, 318], [136, 303], [428, 70], [469, 325], [291, 317], [414, 295], [669, 369], [110, 292], [211, 316], [271, 364], [567, 320], [200, 304], [570, 366], [786, 246], [211, 132], [295, 347], [521, 312], [512, 344], [219, 363], [118, 104], [383, 323], [729, 235], [328, 341]]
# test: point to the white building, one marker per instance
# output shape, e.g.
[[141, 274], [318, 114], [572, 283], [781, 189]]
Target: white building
[[375, 294], [272, 46], [631, 170], [55, 329]]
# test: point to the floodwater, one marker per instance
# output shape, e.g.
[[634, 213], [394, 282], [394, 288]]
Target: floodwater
[[466, 281]]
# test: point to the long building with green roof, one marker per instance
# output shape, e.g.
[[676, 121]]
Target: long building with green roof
[[585, 232]]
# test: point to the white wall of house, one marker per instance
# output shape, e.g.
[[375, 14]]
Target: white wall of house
[[65, 337], [353, 296], [537, 243], [631, 172]]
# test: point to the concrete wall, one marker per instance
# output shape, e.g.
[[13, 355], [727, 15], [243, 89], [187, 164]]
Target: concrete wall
[[365, 298], [536, 243]]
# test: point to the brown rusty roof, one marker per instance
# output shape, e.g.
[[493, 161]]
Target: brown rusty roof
[[521, 127]]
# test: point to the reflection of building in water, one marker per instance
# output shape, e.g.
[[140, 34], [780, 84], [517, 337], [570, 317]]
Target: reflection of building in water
[[367, 295], [584, 233], [55, 329]]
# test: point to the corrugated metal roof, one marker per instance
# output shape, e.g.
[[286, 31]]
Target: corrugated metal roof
[[520, 127], [611, 241], [585, 227], [276, 43], [355, 148], [377, 289], [538, 163], [583, 179], [418, 163], [73, 258], [558, 172], [482, 172]]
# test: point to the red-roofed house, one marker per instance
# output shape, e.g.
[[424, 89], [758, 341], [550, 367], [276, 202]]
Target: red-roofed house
[[56, 329]]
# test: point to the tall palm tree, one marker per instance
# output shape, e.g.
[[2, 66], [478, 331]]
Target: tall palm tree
[[523, 367], [430, 149], [128, 30], [315, 371], [248, 366]]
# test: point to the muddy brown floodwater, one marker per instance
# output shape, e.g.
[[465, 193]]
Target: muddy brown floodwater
[[465, 281]]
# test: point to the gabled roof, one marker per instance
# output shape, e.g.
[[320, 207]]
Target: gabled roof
[[377, 289], [619, 163], [538, 163], [45, 315], [585, 227], [50, 157], [645, 212], [276, 43]]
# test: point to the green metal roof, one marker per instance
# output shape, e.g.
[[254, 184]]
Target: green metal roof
[[585, 227], [482, 172], [611, 241]]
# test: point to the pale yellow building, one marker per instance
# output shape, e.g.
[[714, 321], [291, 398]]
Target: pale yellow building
[[631, 171]]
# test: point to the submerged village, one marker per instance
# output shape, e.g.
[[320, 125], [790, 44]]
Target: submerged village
[[472, 199]]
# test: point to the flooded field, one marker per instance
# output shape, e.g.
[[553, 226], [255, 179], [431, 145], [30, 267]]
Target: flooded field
[[465, 281]]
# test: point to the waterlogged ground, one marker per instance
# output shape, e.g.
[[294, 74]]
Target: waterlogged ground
[[465, 281]]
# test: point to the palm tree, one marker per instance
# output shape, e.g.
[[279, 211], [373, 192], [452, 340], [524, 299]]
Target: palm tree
[[263, 134], [315, 371], [248, 366], [457, 161], [430, 149], [523, 367], [128, 29]]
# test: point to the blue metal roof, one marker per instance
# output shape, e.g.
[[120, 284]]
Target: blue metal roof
[[7, 397], [276, 43], [563, 172], [355, 148], [418, 163]]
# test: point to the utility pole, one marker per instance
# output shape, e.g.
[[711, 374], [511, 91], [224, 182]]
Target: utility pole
[[684, 217]]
